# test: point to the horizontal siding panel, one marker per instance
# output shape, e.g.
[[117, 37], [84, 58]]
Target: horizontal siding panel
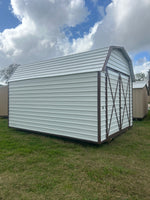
[[53, 89], [82, 91], [53, 123], [68, 112], [59, 132], [54, 94], [61, 111], [89, 119], [56, 103], [118, 61], [78, 108], [64, 79]]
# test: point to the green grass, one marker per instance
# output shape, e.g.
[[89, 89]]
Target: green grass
[[37, 167]]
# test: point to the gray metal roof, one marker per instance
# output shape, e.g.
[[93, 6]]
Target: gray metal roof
[[89, 61], [139, 84]]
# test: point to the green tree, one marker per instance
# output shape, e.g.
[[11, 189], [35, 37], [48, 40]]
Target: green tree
[[140, 76], [7, 72]]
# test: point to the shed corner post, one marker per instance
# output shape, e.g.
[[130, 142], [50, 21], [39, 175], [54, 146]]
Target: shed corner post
[[99, 106], [8, 104]]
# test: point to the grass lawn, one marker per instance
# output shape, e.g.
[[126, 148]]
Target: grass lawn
[[37, 167]]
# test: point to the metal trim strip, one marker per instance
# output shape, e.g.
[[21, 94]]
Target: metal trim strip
[[99, 106]]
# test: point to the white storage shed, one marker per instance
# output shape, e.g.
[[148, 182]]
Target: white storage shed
[[85, 96]]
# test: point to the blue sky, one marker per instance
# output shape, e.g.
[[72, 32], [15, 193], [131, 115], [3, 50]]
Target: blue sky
[[7, 19], [51, 28], [94, 16]]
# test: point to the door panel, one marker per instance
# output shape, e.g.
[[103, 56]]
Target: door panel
[[118, 111], [125, 101], [113, 103]]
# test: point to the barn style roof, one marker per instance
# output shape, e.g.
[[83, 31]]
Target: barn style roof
[[89, 61]]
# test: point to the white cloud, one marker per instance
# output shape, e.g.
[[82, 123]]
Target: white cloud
[[39, 34], [144, 68], [126, 23], [85, 43]]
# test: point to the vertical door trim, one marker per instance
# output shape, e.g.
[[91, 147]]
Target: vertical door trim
[[129, 104], [120, 107], [99, 105], [106, 103]]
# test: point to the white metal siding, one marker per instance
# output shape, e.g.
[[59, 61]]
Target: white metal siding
[[118, 62], [90, 61], [63, 105], [112, 113], [103, 107], [125, 98]]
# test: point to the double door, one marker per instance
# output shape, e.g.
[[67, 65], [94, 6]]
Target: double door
[[118, 102]]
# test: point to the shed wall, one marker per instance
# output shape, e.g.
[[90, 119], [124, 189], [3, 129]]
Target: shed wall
[[4, 101], [140, 102], [148, 99], [145, 99], [118, 62], [119, 113], [62, 105]]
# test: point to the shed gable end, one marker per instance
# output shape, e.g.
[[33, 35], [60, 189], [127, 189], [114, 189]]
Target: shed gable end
[[117, 61]]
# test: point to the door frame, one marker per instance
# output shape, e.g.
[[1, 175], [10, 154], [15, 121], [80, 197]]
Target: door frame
[[119, 86]]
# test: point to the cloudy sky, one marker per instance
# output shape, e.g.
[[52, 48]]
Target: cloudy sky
[[32, 30]]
